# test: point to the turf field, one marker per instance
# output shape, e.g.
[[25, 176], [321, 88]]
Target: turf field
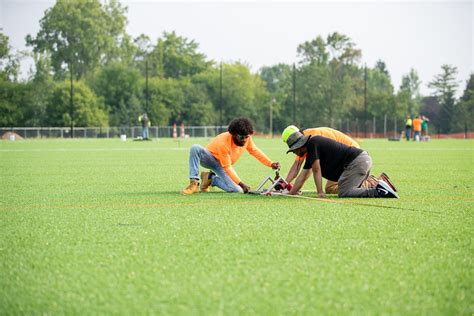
[[99, 227]]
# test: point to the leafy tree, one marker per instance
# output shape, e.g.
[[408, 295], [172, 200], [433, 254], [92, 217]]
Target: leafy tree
[[120, 46], [175, 56], [243, 93], [9, 63], [380, 91], [166, 101], [465, 108], [444, 86], [342, 49], [88, 108], [198, 108], [382, 67], [430, 107], [279, 83], [328, 79], [12, 97], [313, 51], [121, 89], [41, 85], [409, 94], [78, 35]]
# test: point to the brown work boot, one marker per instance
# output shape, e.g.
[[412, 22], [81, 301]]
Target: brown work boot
[[370, 183], [193, 187], [383, 176], [205, 182]]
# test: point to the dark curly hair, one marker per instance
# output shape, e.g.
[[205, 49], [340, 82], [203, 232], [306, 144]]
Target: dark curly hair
[[241, 126]]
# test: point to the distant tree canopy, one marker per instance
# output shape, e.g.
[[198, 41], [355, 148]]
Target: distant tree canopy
[[116, 77]]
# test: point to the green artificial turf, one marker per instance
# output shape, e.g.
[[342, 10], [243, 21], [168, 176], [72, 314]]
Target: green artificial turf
[[99, 227]]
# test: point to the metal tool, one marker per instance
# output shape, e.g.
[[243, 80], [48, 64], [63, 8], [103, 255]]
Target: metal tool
[[274, 183]]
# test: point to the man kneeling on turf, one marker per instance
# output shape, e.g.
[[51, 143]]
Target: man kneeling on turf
[[348, 166], [220, 155], [331, 186]]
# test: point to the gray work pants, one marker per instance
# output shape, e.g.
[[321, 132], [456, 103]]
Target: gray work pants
[[354, 175]]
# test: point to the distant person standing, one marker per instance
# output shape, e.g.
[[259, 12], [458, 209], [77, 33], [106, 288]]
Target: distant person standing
[[408, 123], [424, 128], [146, 123], [417, 128]]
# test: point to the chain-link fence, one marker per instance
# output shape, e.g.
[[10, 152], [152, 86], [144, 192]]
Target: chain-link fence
[[113, 132]]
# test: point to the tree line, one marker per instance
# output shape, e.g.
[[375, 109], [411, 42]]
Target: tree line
[[90, 72]]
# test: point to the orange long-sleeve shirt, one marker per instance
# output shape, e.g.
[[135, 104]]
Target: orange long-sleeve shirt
[[329, 133], [227, 153]]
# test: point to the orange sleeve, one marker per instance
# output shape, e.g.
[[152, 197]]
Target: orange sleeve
[[298, 158], [232, 174], [257, 153]]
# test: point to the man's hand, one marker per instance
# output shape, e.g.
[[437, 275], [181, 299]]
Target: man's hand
[[276, 165], [244, 187], [322, 195]]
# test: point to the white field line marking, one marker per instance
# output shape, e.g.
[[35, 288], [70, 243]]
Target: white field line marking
[[187, 148], [93, 149]]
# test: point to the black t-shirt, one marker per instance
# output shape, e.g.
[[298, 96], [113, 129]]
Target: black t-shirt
[[333, 156]]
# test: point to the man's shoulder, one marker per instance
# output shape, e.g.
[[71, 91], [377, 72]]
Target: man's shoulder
[[318, 139]]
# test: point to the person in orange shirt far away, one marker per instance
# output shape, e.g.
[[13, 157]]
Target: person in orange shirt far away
[[417, 121], [220, 155]]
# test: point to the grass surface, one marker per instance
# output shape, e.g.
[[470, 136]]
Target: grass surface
[[99, 226]]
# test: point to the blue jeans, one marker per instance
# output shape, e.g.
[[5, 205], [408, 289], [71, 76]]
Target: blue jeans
[[145, 132], [417, 133], [199, 155], [408, 133]]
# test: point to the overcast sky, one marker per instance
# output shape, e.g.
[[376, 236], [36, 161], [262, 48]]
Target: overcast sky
[[404, 34]]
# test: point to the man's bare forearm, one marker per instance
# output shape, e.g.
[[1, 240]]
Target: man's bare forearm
[[295, 168], [300, 180]]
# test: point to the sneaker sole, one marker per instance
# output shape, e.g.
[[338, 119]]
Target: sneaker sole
[[385, 178], [387, 187]]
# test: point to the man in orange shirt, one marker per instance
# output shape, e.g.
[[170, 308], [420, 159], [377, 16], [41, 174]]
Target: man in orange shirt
[[220, 155], [331, 186], [417, 121]]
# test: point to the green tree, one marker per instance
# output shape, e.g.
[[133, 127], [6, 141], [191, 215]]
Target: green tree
[[12, 100], [465, 108], [121, 89], [79, 34], [166, 101], [243, 93], [327, 79], [198, 108], [409, 93], [380, 91], [9, 62], [313, 52], [444, 85], [119, 45], [279, 83], [176, 56], [89, 110]]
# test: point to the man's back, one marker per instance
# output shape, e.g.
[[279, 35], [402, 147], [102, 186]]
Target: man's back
[[417, 124], [333, 156], [332, 134]]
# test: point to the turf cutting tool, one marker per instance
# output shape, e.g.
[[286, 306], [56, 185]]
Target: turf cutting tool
[[278, 185]]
